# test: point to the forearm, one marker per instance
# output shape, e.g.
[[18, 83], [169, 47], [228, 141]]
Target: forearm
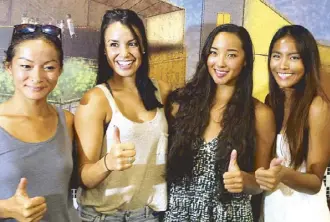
[[93, 174], [301, 182], [250, 184]]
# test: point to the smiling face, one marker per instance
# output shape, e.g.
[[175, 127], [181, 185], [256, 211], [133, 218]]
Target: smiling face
[[226, 58], [122, 50], [35, 68], [286, 63]]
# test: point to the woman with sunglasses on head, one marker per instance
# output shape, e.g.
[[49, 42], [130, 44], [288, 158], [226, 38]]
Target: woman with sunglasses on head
[[35, 137], [122, 129], [218, 134], [293, 181]]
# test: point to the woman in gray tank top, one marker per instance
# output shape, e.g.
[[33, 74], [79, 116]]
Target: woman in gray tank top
[[35, 137]]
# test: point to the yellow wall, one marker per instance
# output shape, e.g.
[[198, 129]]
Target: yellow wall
[[325, 75], [261, 22], [168, 58]]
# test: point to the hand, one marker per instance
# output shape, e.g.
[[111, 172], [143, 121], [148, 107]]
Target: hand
[[121, 155], [233, 178], [26, 209], [269, 179]]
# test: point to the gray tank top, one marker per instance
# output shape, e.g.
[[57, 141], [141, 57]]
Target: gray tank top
[[47, 167]]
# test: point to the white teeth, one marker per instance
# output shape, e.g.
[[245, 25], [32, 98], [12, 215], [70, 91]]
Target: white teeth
[[220, 72], [285, 74], [124, 63]]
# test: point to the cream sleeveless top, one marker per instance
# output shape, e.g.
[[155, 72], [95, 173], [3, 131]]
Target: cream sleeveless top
[[287, 205], [144, 183]]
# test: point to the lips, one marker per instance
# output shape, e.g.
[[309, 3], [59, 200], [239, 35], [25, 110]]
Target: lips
[[220, 73], [124, 64], [36, 88], [284, 75]]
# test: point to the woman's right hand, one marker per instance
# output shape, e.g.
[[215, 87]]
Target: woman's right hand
[[23, 208], [268, 179], [121, 155]]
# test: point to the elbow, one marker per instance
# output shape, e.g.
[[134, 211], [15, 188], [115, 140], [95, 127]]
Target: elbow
[[85, 182], [315, 188]]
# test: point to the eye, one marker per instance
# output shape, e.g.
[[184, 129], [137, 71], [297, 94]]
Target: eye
[[213, 53], [114, 44], [231, 55], [133, 44], [26, 67], [49, 68], [275, 56], [295, 57]]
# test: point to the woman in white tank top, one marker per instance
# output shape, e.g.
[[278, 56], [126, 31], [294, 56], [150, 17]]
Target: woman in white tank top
[[122, 129], [293, 182]]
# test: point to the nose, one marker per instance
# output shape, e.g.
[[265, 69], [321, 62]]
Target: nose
[[220, 61], [124, 51], [36, 75], [284, 63]]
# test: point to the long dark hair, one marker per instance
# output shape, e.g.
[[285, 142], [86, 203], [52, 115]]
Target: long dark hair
[[296, 129], [144, 85], [195, 101]]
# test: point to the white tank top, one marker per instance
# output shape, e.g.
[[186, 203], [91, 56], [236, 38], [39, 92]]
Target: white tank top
[[144, 183], [287, 205]]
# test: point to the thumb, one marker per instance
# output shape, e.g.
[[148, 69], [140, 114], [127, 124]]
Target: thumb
[[233, 166], [21, 188], [116, 135], [275, 162]]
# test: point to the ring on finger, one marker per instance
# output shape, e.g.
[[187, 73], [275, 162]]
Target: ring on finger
[[130, 160]]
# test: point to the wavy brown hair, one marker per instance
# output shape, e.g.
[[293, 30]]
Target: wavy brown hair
[[296, 130], [195, 102]]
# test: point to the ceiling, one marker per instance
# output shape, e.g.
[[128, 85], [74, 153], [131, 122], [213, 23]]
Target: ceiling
[[145, 8]]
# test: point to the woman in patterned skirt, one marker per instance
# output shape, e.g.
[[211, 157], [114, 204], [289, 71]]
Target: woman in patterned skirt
[[218, 134]]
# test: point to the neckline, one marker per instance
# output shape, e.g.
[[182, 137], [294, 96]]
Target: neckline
[[35, 143], [138, 123]]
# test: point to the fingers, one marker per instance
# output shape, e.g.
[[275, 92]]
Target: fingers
[[233, 182], [21, 188], [116, 135], [233, 166], [35, 212], [275, 162], [125, 150], [264, 185], [266, 179], [33, 202]]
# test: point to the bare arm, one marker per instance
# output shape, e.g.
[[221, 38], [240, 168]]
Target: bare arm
[[318, 151], [265, 135], [89, 121], [237, 181], [69, 123], [317, 158]]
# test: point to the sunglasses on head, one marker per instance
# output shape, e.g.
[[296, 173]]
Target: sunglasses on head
[[31, 28]]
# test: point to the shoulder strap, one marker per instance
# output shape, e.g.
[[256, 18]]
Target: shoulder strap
[[157, 92], [108, 93]]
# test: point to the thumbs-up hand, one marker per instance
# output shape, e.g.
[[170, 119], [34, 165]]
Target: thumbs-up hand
[[121, 155], [233, 179], [23, 208], [269, 179]]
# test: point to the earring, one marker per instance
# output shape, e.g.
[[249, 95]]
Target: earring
[[143, 52]]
